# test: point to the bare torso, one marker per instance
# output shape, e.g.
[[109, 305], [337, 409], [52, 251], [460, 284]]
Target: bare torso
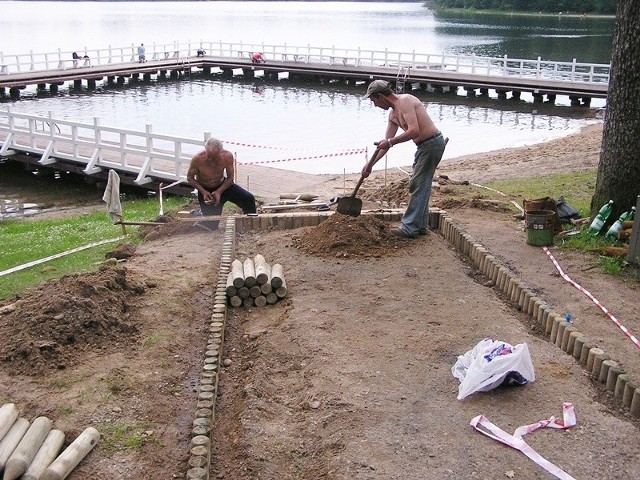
[[409, 111], [209, 171]]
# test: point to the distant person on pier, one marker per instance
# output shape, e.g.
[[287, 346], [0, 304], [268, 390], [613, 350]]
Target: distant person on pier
[[257, 58], [200, 52], [142, 54], [409, 114], [77, 57], [212, 173]]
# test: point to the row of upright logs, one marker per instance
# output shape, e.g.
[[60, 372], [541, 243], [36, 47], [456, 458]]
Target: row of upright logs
[[254, 282]]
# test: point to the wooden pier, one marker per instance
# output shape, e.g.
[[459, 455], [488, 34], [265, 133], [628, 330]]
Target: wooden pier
[[544, 80]]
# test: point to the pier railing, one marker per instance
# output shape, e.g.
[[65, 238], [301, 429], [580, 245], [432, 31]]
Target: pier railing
[[465, 64], [95, 147]]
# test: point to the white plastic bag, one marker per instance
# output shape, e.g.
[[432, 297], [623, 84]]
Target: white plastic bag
[[488, 365]]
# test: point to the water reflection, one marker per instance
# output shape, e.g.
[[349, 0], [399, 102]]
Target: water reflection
[[555, 38], [268, 121]]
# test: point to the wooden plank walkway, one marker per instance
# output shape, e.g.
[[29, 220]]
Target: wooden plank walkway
[[301, 67]]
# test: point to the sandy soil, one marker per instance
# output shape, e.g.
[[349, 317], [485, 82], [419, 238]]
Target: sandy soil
[[349, 376]]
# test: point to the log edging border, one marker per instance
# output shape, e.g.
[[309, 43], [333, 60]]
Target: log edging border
[[599, 365]]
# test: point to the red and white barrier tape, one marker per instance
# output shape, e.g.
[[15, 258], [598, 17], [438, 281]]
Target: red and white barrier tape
[[266, 147], [593, 299], [484, 426], [339, 154]]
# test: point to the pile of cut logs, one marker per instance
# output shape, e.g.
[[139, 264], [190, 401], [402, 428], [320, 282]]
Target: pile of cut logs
[[255, 282], [32, 451]]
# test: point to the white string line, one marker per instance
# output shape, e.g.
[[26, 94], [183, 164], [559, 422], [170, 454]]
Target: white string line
[[58, 255]]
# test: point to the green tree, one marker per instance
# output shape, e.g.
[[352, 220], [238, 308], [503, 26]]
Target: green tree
[[619, 167]]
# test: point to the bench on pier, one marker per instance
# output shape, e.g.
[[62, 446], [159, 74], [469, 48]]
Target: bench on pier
[[75, 63], [163, 55]]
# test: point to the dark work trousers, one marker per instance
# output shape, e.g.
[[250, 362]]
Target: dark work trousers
[[234, 194]]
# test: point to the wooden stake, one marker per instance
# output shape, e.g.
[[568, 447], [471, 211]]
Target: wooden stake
[[230, 290], [8, 415], [46, 455], [237, 271], [27, 448], [11, 439], [243, 292], [255, 291], [249, 273], [281, 291], [248, 302], [72, 455], [262, 272], [276, 275], [272, 298]]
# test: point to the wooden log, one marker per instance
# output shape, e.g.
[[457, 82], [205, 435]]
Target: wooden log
[[247, 302], [72, 455], [11, 439], [8, 415], [281, 291], [249, 273], [46, 455], [255, 291], [235, 301], [260, 301], [230, 289], [27, 448], [243, 292], [276, 275], [261, 270], [272, 298], [266, 288], [305, 197], [237, 271]]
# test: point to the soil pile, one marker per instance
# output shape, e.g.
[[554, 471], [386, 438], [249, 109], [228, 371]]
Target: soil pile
[[393, 194], [345, 236], [62, 321]]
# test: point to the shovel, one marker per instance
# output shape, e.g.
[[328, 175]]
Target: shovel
[[352, 206]]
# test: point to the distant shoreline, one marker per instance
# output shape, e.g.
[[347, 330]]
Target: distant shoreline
[[524, 14]]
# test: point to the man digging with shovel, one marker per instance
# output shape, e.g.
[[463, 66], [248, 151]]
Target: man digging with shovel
[[409, 114]]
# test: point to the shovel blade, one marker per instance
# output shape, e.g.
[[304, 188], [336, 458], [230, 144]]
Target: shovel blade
[[351, 206]]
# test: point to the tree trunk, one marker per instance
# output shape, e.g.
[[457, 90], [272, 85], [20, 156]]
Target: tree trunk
[[619, 168]]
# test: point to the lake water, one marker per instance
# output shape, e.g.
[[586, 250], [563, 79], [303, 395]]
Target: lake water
[[296, 126]]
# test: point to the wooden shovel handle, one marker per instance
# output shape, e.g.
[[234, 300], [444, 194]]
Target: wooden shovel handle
[[355, 190]]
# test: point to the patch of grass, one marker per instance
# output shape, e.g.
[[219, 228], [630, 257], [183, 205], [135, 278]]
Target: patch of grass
[[123, 436], [153, 339], [25, 241], [577, 188], [60, 384], [66, 411]]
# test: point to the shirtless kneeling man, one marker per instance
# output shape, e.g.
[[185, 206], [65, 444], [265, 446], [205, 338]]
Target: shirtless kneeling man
[[211, 172]]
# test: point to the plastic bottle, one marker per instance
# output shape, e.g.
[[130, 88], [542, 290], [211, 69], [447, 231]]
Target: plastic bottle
[[601, 218], [617, 225]]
